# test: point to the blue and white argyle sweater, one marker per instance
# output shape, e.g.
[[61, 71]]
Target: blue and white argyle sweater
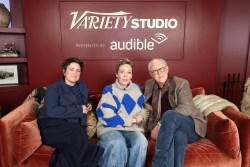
[[117, 107]]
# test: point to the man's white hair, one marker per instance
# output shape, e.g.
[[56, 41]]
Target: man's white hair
[[155, 60]]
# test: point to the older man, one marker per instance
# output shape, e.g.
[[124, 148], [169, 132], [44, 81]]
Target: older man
[[174, 122]]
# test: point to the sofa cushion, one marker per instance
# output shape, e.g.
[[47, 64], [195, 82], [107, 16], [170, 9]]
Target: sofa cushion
[[91, 124], [37, 94], [26, 140], [204, 153], [243, 123], [224, 133], [210, 103]]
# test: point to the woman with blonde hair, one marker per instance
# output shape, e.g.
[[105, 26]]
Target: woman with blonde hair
[[120, 116]]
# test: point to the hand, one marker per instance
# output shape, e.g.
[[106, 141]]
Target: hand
[[137, 119], [155, 131], [84, 109], [89, 106]]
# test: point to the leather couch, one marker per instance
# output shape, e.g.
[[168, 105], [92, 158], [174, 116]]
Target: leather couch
[[227, 143]]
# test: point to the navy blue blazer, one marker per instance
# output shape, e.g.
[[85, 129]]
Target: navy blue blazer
[[60, 102]]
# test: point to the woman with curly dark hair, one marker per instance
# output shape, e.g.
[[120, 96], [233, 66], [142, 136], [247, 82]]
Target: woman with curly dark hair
[[63, 117]]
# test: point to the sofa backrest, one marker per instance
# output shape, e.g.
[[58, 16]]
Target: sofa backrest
[[243, 123], [8, 125], [95, 98], [198, 91]]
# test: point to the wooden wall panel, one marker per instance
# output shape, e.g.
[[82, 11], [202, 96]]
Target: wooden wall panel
[[199, 63], [233, 53], [111, 30], [11, 99]]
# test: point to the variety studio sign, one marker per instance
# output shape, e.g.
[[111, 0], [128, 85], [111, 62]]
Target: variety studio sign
[[95, 20], [157, 29]]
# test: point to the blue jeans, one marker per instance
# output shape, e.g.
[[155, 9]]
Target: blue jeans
[[123, 149], [175, 133]]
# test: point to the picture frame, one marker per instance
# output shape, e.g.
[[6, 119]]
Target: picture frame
[[8, 74]]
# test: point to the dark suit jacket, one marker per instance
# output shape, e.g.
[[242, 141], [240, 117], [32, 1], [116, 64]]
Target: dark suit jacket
[[61, 103], [181, 100]]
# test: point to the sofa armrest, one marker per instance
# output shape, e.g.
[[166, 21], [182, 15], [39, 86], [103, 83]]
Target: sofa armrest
[[223, 132], [8, 124], [243, 123]]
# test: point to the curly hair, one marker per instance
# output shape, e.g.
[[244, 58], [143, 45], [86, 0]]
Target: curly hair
[[70, 60], [122, 62]]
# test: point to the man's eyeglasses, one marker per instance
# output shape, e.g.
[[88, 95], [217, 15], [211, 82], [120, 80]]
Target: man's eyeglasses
[[155, 72]]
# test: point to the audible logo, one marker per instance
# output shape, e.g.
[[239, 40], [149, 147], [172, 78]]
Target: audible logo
[[137, 44]]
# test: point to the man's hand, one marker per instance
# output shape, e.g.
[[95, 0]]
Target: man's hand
[[155, 131]]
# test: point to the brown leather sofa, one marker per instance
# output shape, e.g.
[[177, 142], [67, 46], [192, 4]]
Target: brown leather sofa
[[227, 143]]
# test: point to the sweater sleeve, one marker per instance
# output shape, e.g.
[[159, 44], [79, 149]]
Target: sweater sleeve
[[110, 112]]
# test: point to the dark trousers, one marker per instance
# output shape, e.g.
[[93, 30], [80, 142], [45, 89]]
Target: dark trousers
[[72, 148]]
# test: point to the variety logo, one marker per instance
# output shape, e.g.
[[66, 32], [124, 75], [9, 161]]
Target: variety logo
[[116, 20]]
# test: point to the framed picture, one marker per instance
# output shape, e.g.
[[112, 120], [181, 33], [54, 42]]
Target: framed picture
[[8, 74]]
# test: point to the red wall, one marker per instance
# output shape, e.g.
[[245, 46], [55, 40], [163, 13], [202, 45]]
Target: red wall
[[216, 43], [233, 53], [199, 63]]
